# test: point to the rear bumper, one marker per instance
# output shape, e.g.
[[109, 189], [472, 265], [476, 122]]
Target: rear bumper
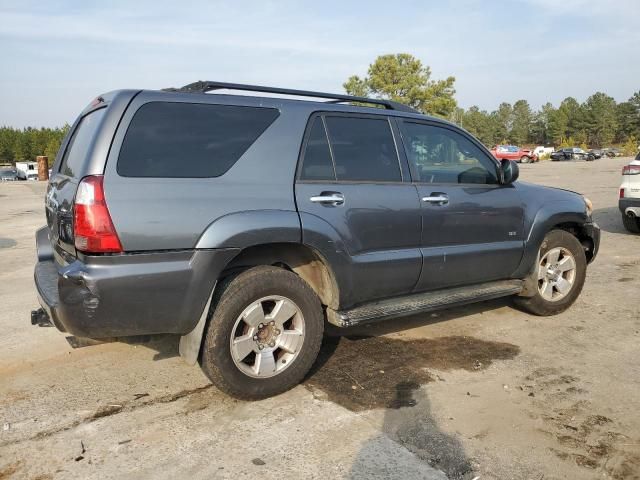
[[625, 203], [131, 294]]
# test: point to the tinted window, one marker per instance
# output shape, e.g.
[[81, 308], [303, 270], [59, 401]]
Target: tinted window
[[80, 142], [441, 155], [317, 164], [189, 140], [363, 149]]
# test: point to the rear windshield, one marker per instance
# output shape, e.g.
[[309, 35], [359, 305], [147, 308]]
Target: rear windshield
[[189, 140], [79, 144]]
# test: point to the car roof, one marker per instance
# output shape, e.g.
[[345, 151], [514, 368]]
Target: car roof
[[314, 105], [271, 101]]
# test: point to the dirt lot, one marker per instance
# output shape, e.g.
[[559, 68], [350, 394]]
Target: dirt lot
[[482, 391]]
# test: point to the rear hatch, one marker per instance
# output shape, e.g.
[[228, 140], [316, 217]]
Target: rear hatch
[[67, 173]]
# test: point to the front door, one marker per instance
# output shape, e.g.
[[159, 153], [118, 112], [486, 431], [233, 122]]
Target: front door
[[472, 227], [355, 200]]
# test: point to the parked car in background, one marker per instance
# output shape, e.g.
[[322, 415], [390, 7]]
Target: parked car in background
[[574, 153], [541, 150], [512, 152], [596, 153], [629, 202], [8, 175], [27, 170], [612, 152]]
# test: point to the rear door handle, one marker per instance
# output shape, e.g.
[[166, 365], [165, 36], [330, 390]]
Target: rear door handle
[[436, 199], [328, 198]]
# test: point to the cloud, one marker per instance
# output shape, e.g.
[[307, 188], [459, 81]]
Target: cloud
[[620, 9], [540, 50]]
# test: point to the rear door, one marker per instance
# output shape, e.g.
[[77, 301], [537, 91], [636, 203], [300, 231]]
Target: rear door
[[352, 182], [64, 181], [472, 227]]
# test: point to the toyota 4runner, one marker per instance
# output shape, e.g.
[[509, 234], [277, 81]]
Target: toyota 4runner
[[245, 223]]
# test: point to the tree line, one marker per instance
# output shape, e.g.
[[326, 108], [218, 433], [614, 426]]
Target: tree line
[[599, 121], [18, 145]]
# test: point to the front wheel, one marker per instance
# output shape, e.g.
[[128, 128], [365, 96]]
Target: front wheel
[[264, 334], [560, 275], [524, 159], [632, 224]]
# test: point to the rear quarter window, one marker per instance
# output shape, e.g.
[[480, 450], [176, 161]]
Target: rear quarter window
[[187, 140], [76, 152]]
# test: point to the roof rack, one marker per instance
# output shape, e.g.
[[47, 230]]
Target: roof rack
[[206, 86]]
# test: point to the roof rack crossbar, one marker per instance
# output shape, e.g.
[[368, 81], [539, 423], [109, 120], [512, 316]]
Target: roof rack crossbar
[[207, 86]]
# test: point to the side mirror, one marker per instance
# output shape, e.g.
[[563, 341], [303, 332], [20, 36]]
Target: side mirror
[[510, 171]]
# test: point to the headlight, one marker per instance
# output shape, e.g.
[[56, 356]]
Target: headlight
[[589, 205]]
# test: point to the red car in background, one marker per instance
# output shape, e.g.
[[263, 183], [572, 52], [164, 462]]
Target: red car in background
[[512, 152]]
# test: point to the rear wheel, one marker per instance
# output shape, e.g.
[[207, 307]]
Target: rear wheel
[[560, 275], [632, 224], [264, 334]]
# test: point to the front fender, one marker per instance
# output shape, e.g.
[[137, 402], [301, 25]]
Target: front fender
[[250, 228], [548, 216]]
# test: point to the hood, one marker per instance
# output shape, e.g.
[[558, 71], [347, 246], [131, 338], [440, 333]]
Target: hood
[[552, 192]]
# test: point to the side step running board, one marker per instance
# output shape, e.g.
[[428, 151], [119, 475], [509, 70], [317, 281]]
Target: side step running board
[[423, 302]]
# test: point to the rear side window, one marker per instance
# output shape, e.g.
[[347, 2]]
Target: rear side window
[[317, 164], [363, 149], [80, 142], [189, 140]]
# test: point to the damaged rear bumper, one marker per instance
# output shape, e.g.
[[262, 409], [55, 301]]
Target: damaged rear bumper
[[130, 294]]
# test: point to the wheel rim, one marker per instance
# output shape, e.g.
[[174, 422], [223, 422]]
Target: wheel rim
[[267, 336], [556, 274], [524, 159]]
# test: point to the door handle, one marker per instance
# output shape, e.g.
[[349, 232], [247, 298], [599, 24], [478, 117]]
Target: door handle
[[436, 198], [326, 198]]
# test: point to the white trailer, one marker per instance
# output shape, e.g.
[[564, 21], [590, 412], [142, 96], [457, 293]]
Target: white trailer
[[27, 170]]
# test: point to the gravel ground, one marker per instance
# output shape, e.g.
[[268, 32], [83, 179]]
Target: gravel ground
[[483, 390]]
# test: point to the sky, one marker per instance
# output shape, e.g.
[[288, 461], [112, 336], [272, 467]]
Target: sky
[[58, 55]]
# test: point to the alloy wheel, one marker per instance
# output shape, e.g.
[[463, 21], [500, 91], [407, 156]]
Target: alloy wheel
[[267, 336]]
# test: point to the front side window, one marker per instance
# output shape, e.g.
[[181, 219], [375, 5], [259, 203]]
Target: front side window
[[190, 140], [441, 155], [363, 149]]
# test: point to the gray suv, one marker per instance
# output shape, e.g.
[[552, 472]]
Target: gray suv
[[245, 223]]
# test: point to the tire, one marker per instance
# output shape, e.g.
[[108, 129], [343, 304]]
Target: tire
[[590, 158], [524, 159], [632, 224], [569, 246], [270, 363]]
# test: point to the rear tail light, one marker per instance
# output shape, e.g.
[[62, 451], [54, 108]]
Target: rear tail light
[[93, 229], [622, 193], [631, 170]]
